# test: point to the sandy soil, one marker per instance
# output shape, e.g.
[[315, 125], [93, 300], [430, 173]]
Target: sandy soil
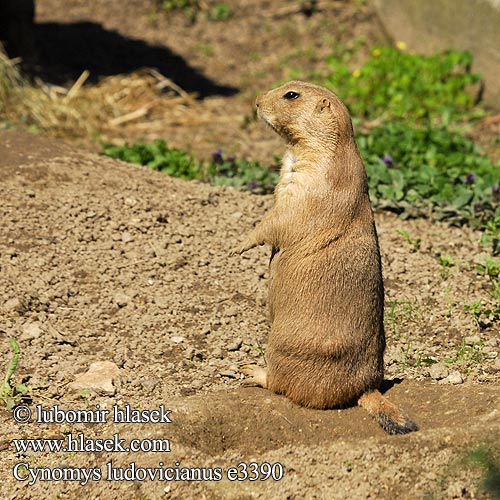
[[105, 261]]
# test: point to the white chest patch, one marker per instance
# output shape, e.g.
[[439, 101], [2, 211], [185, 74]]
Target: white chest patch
[[288, 162]]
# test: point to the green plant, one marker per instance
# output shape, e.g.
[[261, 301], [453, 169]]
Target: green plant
[[418, 172], [184, 5], [400, 85], [468, 354], [397, 311], [491, 234], [488, 266], [193, 8], [479, 312], [158, 156], [484, 457], [414, 243], [220, 12], [8, 393], [229, 171], [446, 260], [219, 170]]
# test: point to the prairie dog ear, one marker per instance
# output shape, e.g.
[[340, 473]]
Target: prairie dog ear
[[323, 105]]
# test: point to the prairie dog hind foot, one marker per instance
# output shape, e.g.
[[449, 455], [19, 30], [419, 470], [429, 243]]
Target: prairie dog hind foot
[[254, 375]]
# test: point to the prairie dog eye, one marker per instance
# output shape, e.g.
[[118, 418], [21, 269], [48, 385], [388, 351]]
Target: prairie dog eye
[[291, 95]]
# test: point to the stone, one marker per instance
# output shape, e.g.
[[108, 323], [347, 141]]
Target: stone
[[30, 331], [127, 237], [121, 299], [235, 345], [472, 339], [177, 339], [455, 378], [100, 377], [13, 304], [438, 371]]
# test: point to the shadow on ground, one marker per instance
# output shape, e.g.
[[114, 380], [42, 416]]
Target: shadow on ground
[[64, 51]]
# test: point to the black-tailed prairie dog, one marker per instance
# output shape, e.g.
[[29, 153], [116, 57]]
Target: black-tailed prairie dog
[[326, 294]]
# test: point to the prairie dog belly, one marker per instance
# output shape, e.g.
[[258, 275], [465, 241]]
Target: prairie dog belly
[[326, 342]]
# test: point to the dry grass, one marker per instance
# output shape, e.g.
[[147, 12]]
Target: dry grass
[[119, 106]]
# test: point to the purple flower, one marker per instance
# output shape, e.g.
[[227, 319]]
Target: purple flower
[[388, 160], [217, 157], [470, 178], [253, 185], [496, 189]]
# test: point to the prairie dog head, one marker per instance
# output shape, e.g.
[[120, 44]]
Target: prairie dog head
[[305, 114]]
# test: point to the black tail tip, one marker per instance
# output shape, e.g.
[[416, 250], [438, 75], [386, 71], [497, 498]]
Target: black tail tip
[[393, 428]]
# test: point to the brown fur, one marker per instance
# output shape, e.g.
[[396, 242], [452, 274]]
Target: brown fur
[[326, 293]]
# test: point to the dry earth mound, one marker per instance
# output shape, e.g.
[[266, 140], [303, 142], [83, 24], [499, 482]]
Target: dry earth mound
[[104, 262]]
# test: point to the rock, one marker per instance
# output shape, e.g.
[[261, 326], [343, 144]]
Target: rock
[[121, 299], [149, 384], [438, 371], [228, 374], [235, 345], [455, 378], [217, 353], [127, 237], [231, 311], [197, 384], [496, 364], [13, 304], [99, 377], [472, 339], [161, 301], [177, 339], [30, 331]]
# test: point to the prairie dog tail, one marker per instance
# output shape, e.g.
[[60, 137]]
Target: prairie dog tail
[[387, 414]]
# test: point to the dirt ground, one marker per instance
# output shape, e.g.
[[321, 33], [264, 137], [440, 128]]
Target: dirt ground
[[103, 261]]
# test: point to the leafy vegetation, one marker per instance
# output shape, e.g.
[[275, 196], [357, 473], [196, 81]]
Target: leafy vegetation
[[485, 457], [417, 171], [397, 85], [219, 170], [192, 8], [8, 393]]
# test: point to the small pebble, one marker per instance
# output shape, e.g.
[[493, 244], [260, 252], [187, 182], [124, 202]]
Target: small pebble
[[197, 384], [121, 299], [13, 304], [217, 353], [127, 237], [472, 339], [438, 371], [234, 346], [149, 384], [30, 331], [455, 378], [231, 311], [177, 339]]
